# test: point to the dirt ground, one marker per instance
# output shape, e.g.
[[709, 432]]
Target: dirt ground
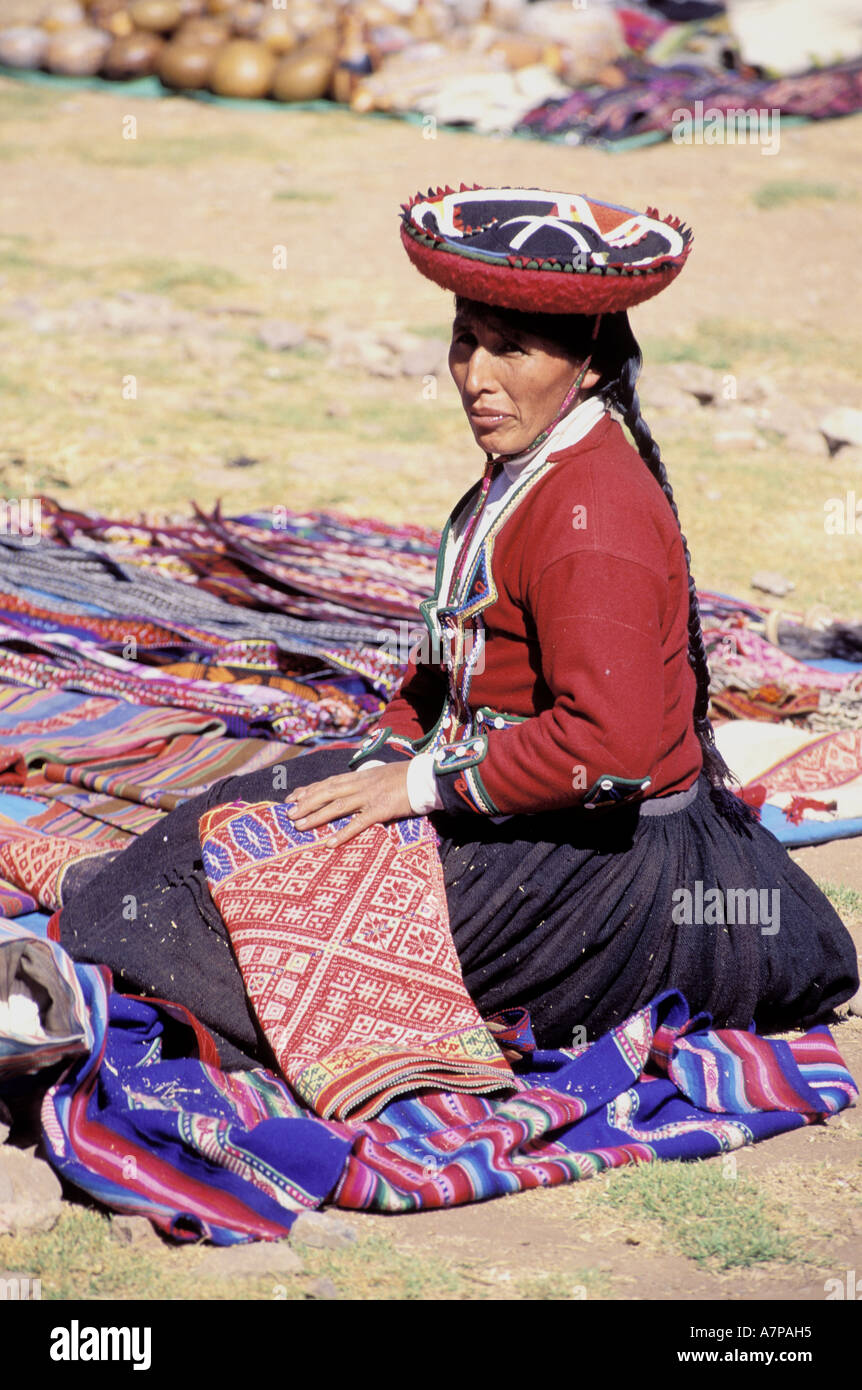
[[210, 187]]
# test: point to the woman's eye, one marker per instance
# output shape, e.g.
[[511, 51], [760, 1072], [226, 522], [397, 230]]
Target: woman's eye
[[511, 346]]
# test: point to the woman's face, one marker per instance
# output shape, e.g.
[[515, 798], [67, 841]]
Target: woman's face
[[511, 382]]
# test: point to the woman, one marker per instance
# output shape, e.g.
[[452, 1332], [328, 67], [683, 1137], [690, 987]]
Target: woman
[[558, 731]]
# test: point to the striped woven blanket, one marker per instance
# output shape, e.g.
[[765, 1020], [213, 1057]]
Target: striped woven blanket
[[146, 1122]]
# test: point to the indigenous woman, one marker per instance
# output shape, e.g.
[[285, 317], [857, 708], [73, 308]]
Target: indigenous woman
[[556, 729]]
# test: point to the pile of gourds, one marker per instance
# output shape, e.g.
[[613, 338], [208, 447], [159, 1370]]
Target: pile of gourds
[[301, 51], [290, 50]]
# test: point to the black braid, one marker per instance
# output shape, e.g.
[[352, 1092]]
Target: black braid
[[622, 393]]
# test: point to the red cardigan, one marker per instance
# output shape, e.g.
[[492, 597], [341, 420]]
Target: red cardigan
[[583, 607]]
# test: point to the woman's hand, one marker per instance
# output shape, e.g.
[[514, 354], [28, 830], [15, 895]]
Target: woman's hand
[[372, 796]]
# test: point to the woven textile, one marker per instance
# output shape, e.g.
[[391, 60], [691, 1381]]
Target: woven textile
[[736, 650], [43, 1013], [14, 902], [63, 727], [113, 762], [785, 766], [38, 863], [147, 1123], [661, 1085], [347, 958], [652, 96], [243, 709], [769, 703]]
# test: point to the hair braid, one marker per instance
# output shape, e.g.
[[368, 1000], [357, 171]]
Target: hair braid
[[622, 392]]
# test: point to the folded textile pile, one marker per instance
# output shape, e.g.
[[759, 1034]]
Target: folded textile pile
[[94, 762], [348, 958], [43, 1013], [146, 1122], [655, 100], [752, 678], [157, 660], [39, 863], [791, 731]]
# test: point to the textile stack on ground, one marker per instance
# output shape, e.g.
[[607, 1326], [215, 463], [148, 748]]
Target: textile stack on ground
[[617, 71], [348, 958], [145, 1121], [139, 665], [142, 664], [791, 730]]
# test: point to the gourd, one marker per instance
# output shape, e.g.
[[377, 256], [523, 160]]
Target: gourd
[[305, 75], [243, 68]]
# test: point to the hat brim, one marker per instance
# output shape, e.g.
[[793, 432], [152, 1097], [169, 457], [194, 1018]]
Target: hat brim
[[602, 258], [536, 291]]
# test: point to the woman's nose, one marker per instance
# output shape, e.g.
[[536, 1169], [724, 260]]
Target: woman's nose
[[479, 376]]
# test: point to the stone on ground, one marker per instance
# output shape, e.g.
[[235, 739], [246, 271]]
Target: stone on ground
[[249, 1261], [322, 1231], [30, 1192], [771, 583], [843, 426], [134, 1230]]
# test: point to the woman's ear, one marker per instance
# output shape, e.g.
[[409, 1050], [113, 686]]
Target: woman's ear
[[591, 379]]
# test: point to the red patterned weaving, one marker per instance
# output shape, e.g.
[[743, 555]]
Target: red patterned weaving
[[37, 863], [348, 959]]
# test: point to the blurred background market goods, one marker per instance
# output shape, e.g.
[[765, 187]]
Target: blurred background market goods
[[576, 72]]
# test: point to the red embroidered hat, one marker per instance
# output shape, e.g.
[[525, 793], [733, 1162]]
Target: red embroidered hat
[[542, 252]]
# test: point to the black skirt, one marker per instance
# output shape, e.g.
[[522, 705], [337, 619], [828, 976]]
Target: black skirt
[[581, 917]]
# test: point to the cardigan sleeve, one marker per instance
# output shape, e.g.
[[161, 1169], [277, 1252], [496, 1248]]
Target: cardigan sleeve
[[598, 620]]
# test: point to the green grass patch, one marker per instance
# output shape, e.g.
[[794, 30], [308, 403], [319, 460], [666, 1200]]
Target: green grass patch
[[704, 1214], [571, 1287], [735, 345], [24, 264], [81, 1259], [210, 277], [24, 103], [779, 192], [159, 275], [173, 151], [302, 195], [16, 150], [846, 901]]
